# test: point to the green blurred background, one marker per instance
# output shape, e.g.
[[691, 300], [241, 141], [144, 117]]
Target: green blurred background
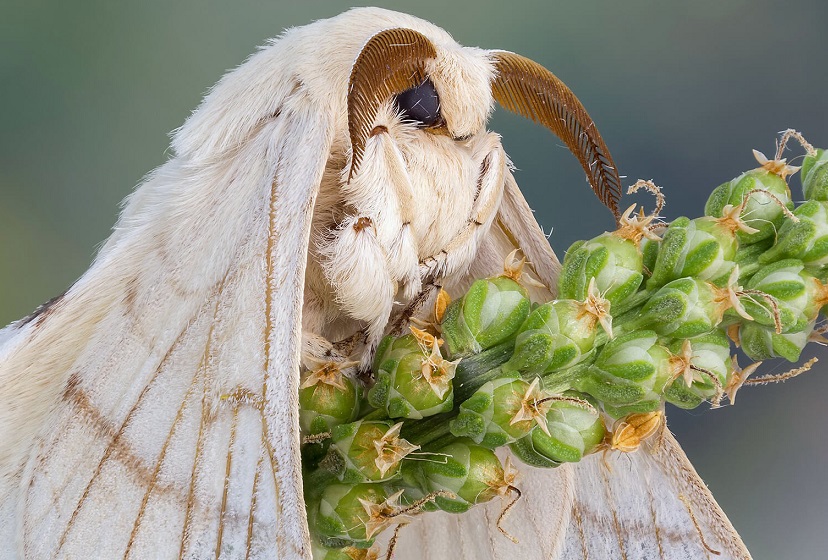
[[681, 92]]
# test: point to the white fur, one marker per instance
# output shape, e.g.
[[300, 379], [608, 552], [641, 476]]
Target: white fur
[[152, 411]]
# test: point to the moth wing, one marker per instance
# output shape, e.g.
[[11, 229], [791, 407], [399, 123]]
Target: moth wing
[[645, 505], [152, 412], [637, 506]]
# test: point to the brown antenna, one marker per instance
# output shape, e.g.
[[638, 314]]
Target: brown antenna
[[527, 88], [391, 62]]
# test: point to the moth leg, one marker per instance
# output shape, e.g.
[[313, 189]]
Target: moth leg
[[459, 253]]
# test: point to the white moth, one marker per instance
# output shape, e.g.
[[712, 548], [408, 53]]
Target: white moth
[[151, 410]]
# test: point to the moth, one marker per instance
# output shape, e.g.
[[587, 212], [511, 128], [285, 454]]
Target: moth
[[316, 198]]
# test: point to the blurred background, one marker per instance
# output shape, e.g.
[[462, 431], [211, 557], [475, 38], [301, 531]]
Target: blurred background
[[681, 91]]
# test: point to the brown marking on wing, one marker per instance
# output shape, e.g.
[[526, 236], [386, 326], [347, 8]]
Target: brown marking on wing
[[78, 399], [42, 311], [202, 371], [615, 523], [579, 523], [270, 285], [484, 168], [157, 469], [259, 467], [227, 468], [656, 528]]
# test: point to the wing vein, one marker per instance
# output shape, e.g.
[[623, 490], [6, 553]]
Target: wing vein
[[157, 469], [229, 465], [115, 440]]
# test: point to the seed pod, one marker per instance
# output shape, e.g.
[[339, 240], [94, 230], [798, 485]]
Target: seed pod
[[501, 411], [789, 286], [327, 401], [344, 512], [575, 430], [472, 473], [413, 380], [490, 313], [815, 176], [760, 212], [556, 335], [700, 248], [694, 360], [631, 369], [762, 343], [615, 263], [682, 308], [366, 451], [806, 240]]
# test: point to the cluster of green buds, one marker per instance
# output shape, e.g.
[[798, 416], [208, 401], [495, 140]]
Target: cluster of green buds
[[648, 314]]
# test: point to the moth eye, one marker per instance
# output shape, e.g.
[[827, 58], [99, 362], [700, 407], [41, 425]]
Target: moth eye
[[420, 104]]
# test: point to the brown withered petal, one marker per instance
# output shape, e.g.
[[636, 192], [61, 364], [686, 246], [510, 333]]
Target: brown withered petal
[[391, 62], [527, 88]]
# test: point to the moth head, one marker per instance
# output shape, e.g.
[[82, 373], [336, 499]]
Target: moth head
[[447, 89]]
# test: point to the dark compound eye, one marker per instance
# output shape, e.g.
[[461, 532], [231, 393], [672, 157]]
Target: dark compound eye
[[420, 104]]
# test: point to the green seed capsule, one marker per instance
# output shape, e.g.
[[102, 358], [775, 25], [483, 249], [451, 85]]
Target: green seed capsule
[[701, 248], [806, 240], [366, 451], [814, 176], [556, 335], [327, 400], [682, 308], [760, 212], [412, 382], [631, 369], [709, 352], [574, 431], [472, 473], [490, 313], [762, 343], [615, 263], [790, 287], [343, 513], [500, 412]]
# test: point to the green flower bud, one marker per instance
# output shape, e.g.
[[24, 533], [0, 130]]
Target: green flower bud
[[790, 287], [814, 176], [631, 369], [682, 308], [501, 411], [366, 451], [709, 352], [327, 399], [490, 313], [702, 248], [556, 335], [472, 473], [574, 431], [413, 380], [344, 512], [762, 343], [614, 262], [806, 240], [320, 552], [760, 212]]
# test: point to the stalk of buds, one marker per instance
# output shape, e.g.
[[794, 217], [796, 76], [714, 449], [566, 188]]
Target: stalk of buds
[[548, 379]]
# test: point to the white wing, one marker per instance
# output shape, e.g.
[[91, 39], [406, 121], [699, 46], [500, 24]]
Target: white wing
[[154, 407], [646, 505]]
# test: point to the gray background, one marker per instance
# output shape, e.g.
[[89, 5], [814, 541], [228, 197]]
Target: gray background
[[681, 92]]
